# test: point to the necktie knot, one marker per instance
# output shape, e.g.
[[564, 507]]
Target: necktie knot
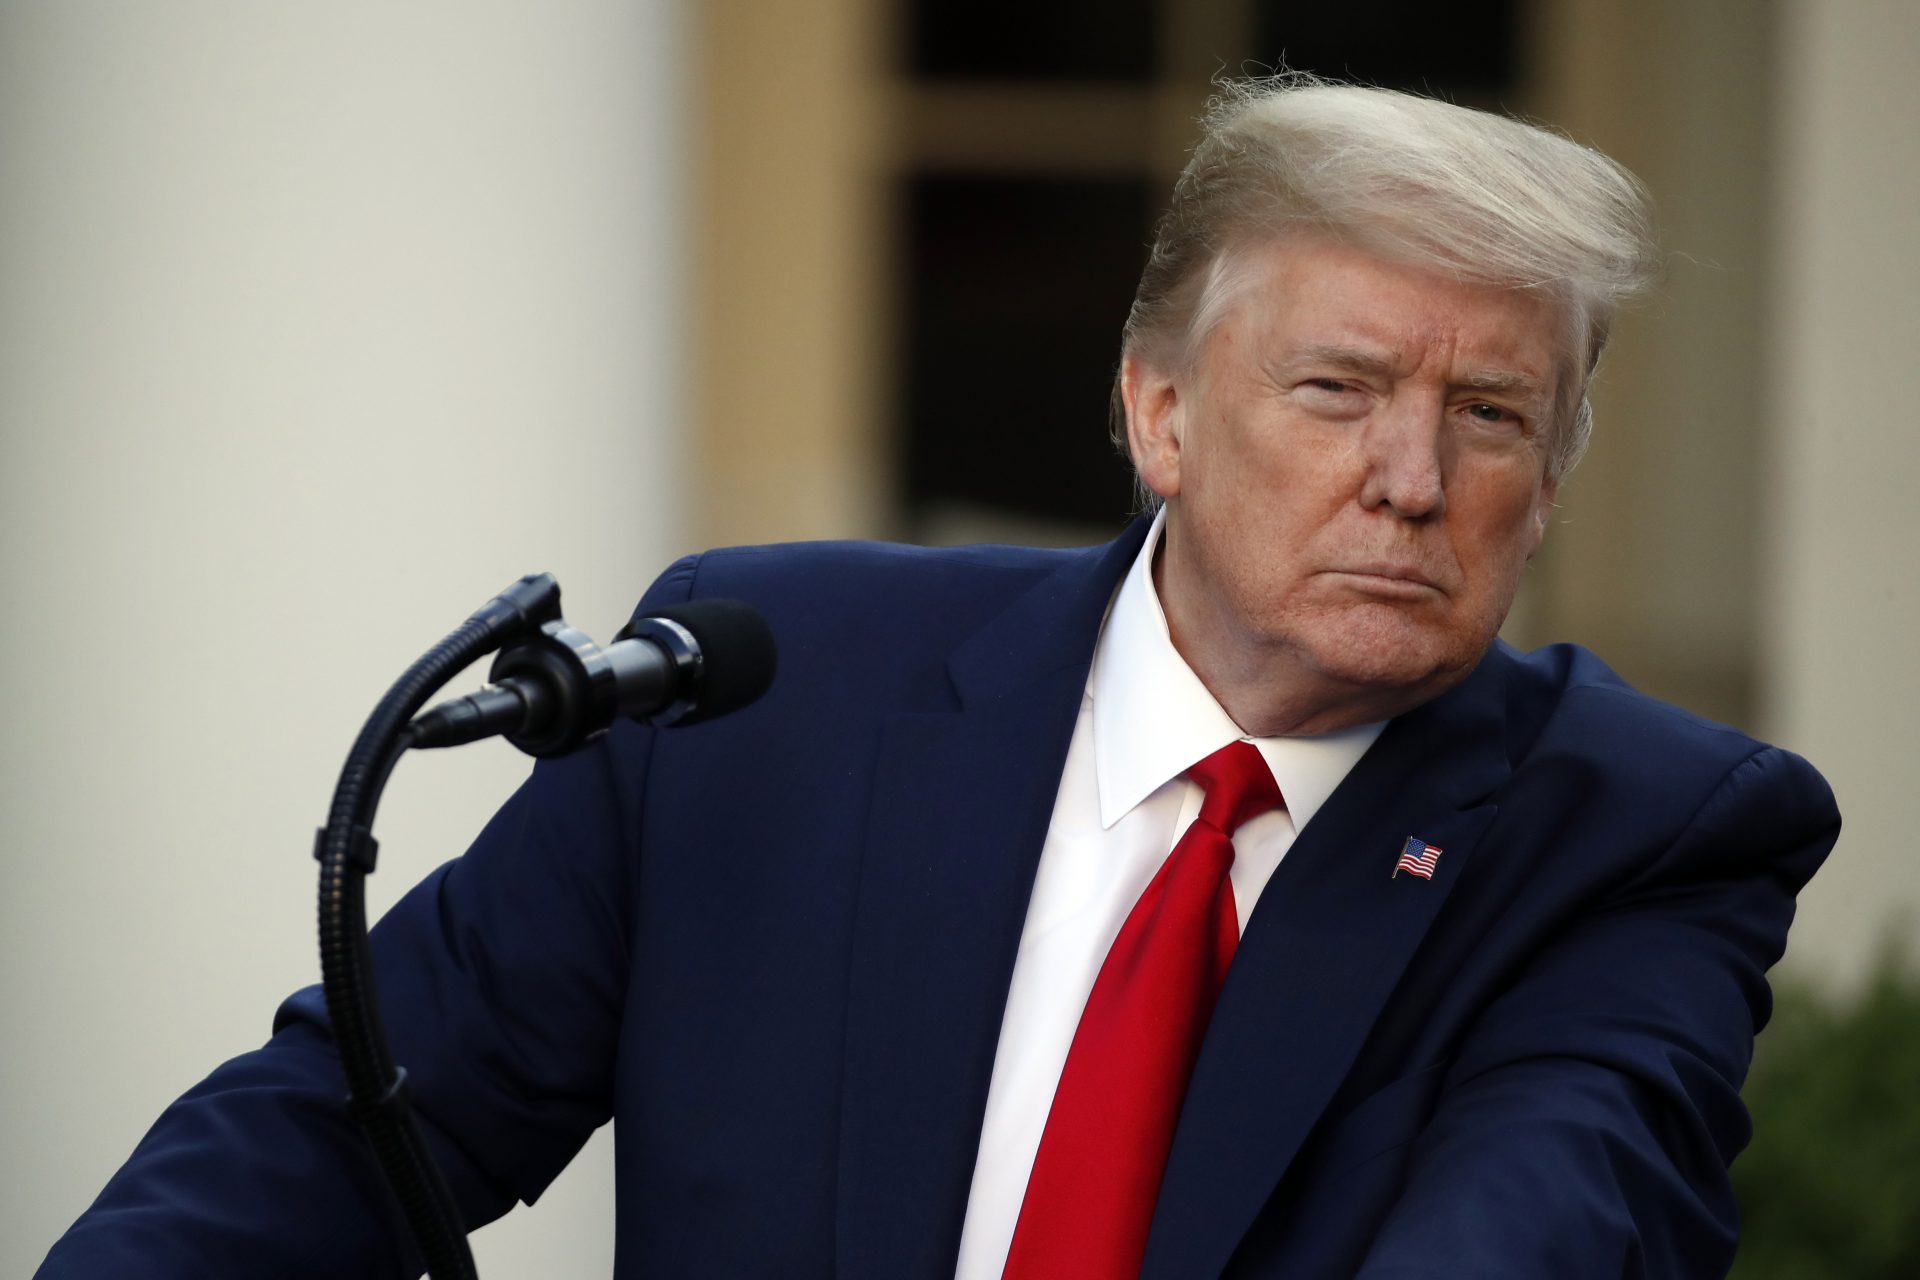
[[1238, 786]]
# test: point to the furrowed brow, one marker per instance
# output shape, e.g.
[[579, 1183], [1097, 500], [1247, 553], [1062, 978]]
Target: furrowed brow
[[1345, 359]]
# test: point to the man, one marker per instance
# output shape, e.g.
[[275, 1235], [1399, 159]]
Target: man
[[1222, 901]]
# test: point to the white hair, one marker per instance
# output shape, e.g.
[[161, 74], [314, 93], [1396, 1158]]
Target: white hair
[[1484, 198]]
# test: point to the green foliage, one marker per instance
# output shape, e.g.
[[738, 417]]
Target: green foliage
[[1830, 1188]]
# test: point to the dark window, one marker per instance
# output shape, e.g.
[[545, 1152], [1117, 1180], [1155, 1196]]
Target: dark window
[[1016, 291], [1460, 49], [1033, 40]]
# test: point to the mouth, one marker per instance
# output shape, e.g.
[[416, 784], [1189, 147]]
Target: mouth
[[1395, 581]]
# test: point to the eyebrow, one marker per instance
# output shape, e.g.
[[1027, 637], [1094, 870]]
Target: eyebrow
[[1351, 359], [1501, 380], [1361, 360]]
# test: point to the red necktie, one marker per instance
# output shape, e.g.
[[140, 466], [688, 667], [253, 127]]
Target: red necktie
[[1091, 1194]]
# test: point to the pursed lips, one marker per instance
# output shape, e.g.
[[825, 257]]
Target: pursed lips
[[1387, 576]]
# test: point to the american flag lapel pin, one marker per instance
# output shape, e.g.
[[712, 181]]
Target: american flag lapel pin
[[1418, 858]]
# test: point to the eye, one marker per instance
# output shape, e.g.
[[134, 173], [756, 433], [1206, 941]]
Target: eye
[[1492, 414], [1335, 399]]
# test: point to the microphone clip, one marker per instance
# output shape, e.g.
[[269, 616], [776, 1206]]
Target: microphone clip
[[572, 689]]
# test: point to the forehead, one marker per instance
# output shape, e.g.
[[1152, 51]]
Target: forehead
[[1315, 296]]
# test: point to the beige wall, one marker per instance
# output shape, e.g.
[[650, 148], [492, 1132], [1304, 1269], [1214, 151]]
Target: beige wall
[[1840, 640], [1738, 539], [791, 129], [1652, 559], [285, 292]]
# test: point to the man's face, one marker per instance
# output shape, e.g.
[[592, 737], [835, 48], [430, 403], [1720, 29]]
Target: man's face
[[1355, 476]]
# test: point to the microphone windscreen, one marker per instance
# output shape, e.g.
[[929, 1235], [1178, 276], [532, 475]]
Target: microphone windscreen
[[736, 653]]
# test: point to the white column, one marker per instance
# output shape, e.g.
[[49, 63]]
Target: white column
[[318, 324], [1841, 658]]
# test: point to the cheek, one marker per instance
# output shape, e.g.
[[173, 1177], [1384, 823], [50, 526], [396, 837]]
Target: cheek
[[1507, 508]]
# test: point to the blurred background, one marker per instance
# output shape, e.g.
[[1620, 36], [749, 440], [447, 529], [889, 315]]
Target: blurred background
[[319, 324]]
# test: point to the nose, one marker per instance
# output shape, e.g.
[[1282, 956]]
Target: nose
[[1401, 447]]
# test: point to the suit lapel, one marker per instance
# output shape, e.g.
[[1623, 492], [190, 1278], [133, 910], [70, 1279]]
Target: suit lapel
[[1324, 949], [962, 801]]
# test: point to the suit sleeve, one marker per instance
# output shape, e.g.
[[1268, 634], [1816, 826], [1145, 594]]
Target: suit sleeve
[[501, 978], [1586, 1126]]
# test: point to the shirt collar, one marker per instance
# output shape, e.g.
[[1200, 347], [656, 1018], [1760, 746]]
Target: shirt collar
[[1153, 718]]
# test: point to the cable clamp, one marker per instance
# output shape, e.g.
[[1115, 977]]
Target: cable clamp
[[391, 1105], [362, 849]]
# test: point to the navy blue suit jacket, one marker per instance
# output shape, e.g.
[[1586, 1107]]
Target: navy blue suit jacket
[[774, 948]]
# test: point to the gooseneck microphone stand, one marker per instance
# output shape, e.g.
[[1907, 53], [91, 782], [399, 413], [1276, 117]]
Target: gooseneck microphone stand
[[554, 690], [345, 848]]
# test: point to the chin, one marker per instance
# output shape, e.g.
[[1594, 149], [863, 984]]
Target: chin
[[1380, 671], [1391, 654]]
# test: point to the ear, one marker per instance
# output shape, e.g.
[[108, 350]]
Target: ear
[[1155, 424], [1543, 511]]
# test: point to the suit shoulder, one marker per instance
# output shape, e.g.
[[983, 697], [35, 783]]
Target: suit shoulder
[[1569, 679], [867, 576], [1636, 784], [871, 607], [866, 570], [1572, 704], [880, 559]]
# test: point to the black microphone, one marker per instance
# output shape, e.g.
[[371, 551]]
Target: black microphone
[[556, 690]]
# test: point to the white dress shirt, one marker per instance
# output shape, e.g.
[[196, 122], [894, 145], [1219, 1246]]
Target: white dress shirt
[[1123, 802]]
